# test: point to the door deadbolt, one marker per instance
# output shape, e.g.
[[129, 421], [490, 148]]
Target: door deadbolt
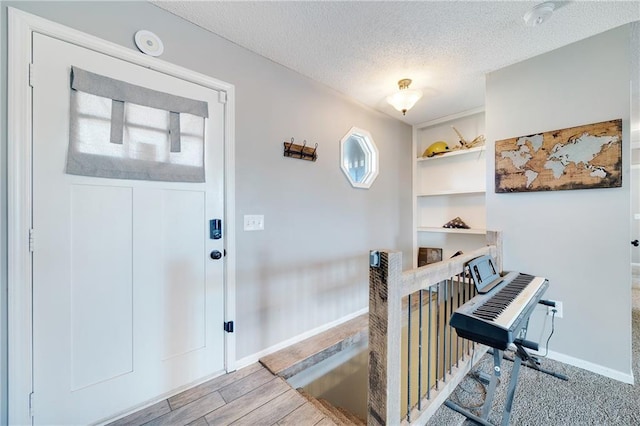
[[215, 255]]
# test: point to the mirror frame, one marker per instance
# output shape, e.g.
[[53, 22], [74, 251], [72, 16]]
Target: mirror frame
[[371, 154]]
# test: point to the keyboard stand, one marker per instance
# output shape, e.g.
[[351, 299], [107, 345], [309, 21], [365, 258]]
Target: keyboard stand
[[493, 383], [533, 363]]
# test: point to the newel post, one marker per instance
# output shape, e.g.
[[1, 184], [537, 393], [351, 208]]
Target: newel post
[[385, 329]]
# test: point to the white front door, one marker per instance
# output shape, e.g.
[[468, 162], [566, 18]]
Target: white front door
[[127, 303]]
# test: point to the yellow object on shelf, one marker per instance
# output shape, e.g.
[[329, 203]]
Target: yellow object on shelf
[[436, 148]]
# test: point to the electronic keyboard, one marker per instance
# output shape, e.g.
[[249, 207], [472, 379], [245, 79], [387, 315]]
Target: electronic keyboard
[[495, 317]]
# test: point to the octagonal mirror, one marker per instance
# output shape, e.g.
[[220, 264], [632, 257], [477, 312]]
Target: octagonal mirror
[[359, 157]]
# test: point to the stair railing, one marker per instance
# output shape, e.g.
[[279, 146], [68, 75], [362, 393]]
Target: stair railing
[[415, 358]]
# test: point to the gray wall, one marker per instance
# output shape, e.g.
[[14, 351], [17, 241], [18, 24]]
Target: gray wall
[[310, 265], [578, 239]]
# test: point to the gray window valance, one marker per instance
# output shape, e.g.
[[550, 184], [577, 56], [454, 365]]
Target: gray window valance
[[106, 87], [121, 130]]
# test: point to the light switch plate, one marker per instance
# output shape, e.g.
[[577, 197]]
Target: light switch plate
[[253, 222]]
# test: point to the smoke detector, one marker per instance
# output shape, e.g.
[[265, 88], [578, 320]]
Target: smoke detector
[[148, 43], [539, 14]]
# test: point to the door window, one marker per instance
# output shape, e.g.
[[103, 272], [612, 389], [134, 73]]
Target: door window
[[123, 131]]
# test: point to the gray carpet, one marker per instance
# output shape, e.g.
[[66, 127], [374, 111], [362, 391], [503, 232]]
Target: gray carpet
[[586, 399]]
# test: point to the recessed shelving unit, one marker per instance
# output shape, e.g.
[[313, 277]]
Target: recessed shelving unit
[[450, 185]]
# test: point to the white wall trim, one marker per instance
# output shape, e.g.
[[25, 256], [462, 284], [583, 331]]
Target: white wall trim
[[20, 28], [594, 368], [18, 220], [414, 196], [451, 117], [230, 227], [250, 359]]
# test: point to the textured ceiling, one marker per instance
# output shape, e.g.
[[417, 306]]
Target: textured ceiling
[[363, 48]]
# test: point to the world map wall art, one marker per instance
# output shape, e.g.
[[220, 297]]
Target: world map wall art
[[582, 157]]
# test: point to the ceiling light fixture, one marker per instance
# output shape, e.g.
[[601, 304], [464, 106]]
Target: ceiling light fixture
[[539, 14], [404, 99]]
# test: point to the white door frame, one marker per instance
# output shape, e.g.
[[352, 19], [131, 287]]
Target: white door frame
[[21, 26]]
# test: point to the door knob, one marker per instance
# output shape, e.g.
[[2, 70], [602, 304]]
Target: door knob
[[635, 243], [215, 255]]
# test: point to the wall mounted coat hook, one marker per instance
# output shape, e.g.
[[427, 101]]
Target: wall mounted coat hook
[[302, 152]]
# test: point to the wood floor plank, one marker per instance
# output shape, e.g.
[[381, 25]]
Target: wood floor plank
[[246, 385], [273, 411], [307, 413], [191, 411], [199, 422], [213, 385], [144, 415], [247, 403]]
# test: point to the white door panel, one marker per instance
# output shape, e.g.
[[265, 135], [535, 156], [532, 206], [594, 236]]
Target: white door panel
[[183, 289], [101, 284], [127, 303]]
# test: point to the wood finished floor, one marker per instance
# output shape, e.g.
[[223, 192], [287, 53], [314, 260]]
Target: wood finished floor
[[250, 396]]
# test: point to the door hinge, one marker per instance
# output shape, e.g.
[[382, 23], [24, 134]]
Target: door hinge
[[228, 326], [222, 97], [32, 409], [31, 72], [31, 239]]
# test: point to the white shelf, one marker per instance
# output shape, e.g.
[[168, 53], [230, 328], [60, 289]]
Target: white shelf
[[452, 153], [451, 230], [452, 192]]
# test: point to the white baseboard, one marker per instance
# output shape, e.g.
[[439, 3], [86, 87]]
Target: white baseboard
[[248, 360], [594, 368]]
